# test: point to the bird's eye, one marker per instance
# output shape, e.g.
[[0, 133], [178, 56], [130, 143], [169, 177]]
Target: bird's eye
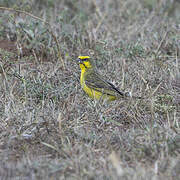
[[84, 59]]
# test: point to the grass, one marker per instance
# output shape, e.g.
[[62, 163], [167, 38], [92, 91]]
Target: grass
[[49, 128]]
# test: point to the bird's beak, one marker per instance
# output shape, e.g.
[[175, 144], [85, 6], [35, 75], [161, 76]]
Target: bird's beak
[[79, 61]]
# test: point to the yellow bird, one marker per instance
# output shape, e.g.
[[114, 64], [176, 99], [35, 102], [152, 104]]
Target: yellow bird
[[93, 83]]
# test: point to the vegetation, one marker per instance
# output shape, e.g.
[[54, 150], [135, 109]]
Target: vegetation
[[50, 129]]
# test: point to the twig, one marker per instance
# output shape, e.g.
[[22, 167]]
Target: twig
[[160, 44]]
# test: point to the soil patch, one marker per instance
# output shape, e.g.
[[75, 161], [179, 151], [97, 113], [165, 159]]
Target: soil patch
[[10, 46]]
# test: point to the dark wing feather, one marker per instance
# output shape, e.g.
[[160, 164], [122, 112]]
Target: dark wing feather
[[94, 81]]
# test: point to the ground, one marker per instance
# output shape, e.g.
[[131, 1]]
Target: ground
[[50, 129]]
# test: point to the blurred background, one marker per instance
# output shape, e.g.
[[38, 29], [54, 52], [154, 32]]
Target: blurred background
[[49, 128]]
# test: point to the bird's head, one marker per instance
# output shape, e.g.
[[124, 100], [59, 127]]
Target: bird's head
[[84, 62]]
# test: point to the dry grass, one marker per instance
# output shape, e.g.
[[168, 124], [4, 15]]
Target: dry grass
[[49, 129]]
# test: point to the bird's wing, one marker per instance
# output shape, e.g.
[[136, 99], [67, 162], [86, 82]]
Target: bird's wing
[[94, 81]]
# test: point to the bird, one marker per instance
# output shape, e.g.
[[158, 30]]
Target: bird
[[95, 85]]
